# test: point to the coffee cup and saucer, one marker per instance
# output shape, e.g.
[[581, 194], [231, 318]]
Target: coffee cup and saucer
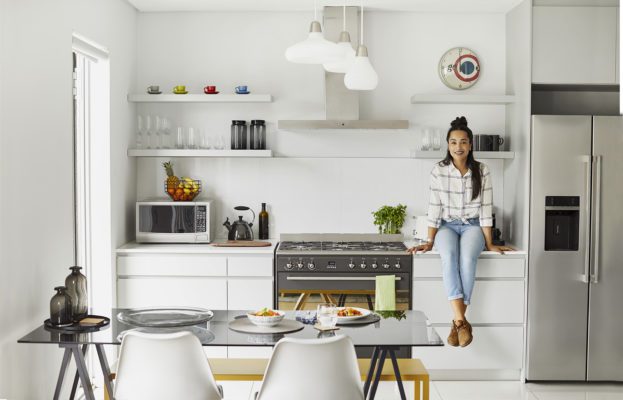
[[210, 90], [153, 89], [180, 89], [242, 90]]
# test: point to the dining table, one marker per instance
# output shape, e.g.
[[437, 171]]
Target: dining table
[[385, 336]]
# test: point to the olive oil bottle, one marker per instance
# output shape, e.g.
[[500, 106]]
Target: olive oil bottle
[[263, 234]]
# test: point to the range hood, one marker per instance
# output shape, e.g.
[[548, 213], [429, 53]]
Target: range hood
[[341, 104]]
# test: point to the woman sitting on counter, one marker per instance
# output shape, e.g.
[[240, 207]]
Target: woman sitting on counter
[[460, 223]]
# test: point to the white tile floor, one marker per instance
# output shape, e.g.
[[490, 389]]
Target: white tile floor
[[472, 390]]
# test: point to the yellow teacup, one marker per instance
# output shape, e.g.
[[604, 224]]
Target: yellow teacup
[[180, 88]]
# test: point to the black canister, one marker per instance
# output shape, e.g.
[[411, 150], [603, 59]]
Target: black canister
[[60, 307], [76, 285], [257, 135], [238, 135]]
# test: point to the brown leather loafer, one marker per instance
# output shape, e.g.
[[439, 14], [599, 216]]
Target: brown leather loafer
[[453, 337], [464, 333]]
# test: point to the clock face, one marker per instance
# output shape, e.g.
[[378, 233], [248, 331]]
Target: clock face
[[459, 68]]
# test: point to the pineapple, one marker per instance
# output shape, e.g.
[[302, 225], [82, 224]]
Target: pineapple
[[172, 180]]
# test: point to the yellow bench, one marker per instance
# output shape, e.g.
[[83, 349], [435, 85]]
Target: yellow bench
[[238, 369]]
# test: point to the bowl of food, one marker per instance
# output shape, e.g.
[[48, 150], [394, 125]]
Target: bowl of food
[[266, 317], [180, 189]]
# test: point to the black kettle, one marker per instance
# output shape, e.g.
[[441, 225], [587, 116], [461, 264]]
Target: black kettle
[[241, 229]]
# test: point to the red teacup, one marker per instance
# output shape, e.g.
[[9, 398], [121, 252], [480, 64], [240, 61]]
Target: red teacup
[[209, 89]]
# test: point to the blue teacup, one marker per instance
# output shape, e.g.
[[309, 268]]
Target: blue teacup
[[241, 89]]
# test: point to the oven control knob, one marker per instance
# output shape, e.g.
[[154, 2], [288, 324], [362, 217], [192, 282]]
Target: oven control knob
[[351, 265], [375, 265], [311, 266], [363, 265], [386, 265], [300, 265], [397, 265], [289, 266]]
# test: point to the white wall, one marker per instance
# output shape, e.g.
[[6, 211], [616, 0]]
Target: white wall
[[307, 194], [36, 164]]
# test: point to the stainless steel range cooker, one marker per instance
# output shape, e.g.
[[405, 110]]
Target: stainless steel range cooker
[[344, 265]]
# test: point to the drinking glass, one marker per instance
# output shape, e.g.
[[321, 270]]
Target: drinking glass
[[191, 142], [148, 133], [326, 313], [219, 143], [158, 132], [179, 138], [426, 139], [437, 140], [140, 133], [166, 133], [204, 140]]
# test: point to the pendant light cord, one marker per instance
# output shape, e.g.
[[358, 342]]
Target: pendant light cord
[[361, 40], [344, 17], [315, 11]]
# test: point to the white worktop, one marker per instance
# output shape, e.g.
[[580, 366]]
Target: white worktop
[[185, 248]]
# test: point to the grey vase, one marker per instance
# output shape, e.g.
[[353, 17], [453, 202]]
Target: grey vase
[[60, 307], [76, 284]]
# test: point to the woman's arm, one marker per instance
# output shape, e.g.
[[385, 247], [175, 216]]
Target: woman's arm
[[487, 231], [428, 246]]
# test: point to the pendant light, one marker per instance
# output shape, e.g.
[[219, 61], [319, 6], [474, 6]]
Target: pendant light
[[346, 61], [315, 49], [361, 76]]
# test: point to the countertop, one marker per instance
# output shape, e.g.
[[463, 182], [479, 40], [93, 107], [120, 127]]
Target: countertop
[[184, 248]]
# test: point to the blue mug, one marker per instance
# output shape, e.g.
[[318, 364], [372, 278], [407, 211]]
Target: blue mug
[[241, 89]]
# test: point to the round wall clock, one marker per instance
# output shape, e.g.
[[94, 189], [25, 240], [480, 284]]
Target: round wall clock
[[459, 68]]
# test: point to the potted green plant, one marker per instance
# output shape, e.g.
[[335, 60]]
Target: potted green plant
[[390, 219]]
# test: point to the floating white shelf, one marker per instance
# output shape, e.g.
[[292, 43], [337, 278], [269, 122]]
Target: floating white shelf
[[477, 154], [461, 99], [200, 98], [198, 153]]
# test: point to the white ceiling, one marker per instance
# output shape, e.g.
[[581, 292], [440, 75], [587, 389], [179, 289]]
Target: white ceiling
[[452, 6]]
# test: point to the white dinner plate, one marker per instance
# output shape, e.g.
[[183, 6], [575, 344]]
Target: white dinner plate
[[363, 311]]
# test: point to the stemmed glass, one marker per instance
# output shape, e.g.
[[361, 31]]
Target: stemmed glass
[[437, 140], [148, 133], [158, 132], [179, 138], [426, 140], [140, 133], [326, 314], [166, 133]]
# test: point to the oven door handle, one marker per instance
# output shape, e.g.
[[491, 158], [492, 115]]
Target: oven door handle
[[335, 278]]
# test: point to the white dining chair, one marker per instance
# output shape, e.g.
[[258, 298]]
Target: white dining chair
[[311, 369], [164, 366]]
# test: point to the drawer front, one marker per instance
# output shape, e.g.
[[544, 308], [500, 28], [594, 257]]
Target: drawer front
[[486, 268], [492, 348], [210, 293], [249, 294], [492, 302], [249, 351], [172, 265], [249, 266]]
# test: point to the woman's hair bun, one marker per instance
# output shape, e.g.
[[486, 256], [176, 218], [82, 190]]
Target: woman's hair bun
[[459, 122]]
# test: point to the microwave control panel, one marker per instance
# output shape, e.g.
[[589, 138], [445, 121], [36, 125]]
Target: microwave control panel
[[201, 219]]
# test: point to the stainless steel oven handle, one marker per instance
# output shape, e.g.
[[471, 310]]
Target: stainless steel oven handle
[[336, 278], [597, 199], [587, 212]]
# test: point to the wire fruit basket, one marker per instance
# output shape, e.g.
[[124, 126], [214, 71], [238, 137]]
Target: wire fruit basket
[[185, 190]]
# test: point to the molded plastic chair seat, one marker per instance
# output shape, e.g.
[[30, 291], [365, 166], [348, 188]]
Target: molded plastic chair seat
[[311, 369], [158, 366]]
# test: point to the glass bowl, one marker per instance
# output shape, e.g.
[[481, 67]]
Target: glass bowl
[[185, 190]]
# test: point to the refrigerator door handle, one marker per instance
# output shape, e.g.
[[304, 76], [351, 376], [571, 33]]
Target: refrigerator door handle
[[597, 208], [585, 277]]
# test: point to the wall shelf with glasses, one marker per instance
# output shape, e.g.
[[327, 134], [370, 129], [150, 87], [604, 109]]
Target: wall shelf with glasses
[[200, 98], [436, 154], [198, 153], [427, 98]]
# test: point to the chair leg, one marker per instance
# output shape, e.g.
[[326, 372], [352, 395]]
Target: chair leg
[[370, 305], [300, 303]]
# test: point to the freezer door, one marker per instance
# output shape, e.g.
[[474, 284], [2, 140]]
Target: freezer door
[[605, 333], [557, 292]]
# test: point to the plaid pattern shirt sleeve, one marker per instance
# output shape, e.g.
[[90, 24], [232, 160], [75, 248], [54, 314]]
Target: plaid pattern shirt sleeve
[[486, 197], [434, 203]]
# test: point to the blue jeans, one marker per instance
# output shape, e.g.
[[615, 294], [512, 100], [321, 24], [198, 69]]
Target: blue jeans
[[459, 245]]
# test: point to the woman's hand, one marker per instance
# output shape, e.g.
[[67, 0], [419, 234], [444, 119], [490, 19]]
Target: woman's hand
[[428, 246], [499, 249]]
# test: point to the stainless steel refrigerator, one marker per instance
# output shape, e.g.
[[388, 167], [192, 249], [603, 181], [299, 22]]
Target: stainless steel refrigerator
[[575, 279]]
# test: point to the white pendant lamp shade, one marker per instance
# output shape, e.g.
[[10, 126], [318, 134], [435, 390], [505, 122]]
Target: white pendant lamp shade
[[315, 49], [361, 75], [348, 56]]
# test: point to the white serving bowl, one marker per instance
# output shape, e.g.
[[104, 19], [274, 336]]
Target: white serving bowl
[[266, 321]]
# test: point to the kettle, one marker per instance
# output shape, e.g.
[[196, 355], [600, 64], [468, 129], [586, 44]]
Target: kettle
[[241, 229]]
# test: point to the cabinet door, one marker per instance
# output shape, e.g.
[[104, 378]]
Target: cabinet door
[[172, 265], [574, 45], [249, 293], [494, 267], [210, 293], [493, 302]]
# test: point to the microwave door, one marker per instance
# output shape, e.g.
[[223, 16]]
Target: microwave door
[[183, 219]]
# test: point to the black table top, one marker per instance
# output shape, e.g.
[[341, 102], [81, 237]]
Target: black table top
[[409, 329]]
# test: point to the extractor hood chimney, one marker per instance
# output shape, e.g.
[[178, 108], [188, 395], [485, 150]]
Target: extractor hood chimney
[[341, 104]]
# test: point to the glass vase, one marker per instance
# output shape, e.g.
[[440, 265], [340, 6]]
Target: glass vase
[[61, 307], [76, 284]]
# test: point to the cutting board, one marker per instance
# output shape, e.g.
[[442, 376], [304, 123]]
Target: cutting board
[[241, 243]]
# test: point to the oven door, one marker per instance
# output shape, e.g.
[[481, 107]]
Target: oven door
[[303, 291]]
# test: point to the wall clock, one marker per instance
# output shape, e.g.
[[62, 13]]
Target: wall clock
[[459, 68]]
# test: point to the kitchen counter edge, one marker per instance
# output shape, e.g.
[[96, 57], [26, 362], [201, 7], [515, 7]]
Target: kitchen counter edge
[[192, 248]]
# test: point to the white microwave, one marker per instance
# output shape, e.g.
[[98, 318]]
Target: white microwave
[[165, 221]]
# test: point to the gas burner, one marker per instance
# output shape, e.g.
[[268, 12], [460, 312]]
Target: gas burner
[[341, 246], [300, 246]]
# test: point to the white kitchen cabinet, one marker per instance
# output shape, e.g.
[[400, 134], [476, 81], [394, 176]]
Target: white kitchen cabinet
[[249, 293], [507, 266], [172, 265], [574, 45]]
